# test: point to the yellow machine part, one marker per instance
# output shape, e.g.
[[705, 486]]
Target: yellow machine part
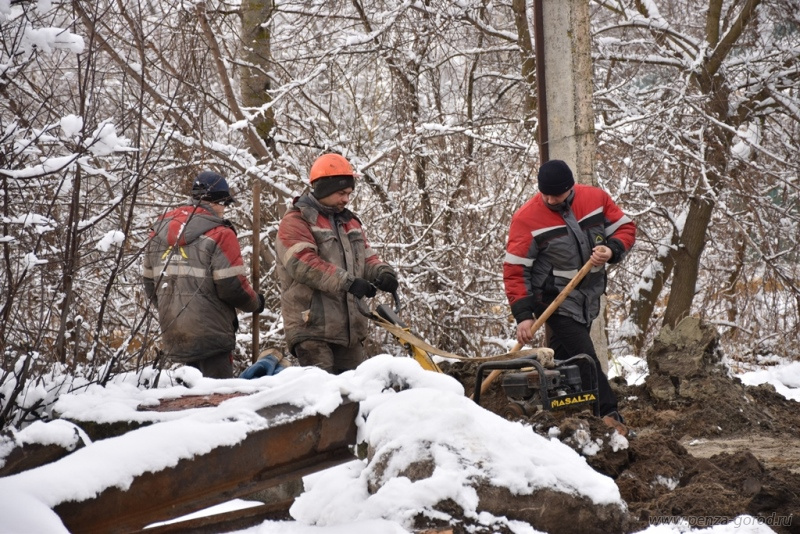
[[424, 359]]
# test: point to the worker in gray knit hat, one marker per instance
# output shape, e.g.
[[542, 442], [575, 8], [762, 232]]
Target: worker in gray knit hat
[[325, 265]]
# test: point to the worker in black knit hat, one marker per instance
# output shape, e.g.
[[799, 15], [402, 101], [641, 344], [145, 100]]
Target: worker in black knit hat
[[564, 226], [194, 274]]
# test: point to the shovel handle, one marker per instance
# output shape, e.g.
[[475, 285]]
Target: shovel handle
[[543, 317], [256, 267]]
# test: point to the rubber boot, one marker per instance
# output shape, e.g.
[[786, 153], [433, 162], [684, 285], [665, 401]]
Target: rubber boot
[[268, 364]]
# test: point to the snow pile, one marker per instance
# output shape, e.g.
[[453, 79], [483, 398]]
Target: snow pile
[[418, 413]]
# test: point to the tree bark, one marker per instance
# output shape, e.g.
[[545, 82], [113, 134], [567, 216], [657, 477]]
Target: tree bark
[[69, 267], [527, 61], [643, 304], [258, 59], [687, 260]]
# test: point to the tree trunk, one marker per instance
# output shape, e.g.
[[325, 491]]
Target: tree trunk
[[687, 260], [715, 146], [9, 289], [257, 62], [406, 75], [643, 304], [527, 61], [69, 267]]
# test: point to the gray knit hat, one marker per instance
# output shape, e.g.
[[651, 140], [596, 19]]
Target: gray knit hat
[[328, 185]]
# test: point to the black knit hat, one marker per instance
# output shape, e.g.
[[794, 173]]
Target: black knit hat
[[555, 178], [211, 187], [328, 185]]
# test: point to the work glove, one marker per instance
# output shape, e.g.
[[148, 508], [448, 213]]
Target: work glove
[[261, 302], [386, 281], [361, 288], [617, 250], [267, 366]]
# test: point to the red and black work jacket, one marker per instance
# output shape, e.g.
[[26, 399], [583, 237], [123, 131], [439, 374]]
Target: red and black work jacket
[[320, 253], [193, 271], [546, 249]]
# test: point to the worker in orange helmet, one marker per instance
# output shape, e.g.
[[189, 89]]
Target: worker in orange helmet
[[325, 263]]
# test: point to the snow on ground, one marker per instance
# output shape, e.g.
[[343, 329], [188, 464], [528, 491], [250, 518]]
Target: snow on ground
[[433, 413], [785, 378]]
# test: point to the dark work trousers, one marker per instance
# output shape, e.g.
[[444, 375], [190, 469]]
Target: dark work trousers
[[215, 366], [333, 358], [569, 338]]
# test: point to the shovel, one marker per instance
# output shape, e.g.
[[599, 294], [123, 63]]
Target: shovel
[[256, 266], [543, 317]]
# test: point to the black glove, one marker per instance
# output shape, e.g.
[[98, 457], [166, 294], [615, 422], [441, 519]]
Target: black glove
[[617, 250], [361, 288], [260, 304], [387, 281]]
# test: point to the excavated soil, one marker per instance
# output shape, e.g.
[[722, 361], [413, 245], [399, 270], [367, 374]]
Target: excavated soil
[[728, 450]]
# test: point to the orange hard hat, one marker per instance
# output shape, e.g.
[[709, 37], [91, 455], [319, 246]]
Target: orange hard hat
[[330, 165]]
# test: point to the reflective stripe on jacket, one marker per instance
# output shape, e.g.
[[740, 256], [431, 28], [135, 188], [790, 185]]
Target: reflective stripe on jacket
[[194, 273], [320, 253], [546, 249]]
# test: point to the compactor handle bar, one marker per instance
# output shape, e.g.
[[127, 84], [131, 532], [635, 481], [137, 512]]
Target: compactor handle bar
[[383, 310]]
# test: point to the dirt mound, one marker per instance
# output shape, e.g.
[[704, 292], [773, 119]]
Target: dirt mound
[[707, 449]]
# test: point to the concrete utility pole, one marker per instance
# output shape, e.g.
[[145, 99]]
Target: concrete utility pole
[[566, 116]]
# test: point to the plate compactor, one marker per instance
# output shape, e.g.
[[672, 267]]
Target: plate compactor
[[543, 383], [538, 388]]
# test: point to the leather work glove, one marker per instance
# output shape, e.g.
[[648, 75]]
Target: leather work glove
[[387, 281], [361, 288], [261, 302]]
